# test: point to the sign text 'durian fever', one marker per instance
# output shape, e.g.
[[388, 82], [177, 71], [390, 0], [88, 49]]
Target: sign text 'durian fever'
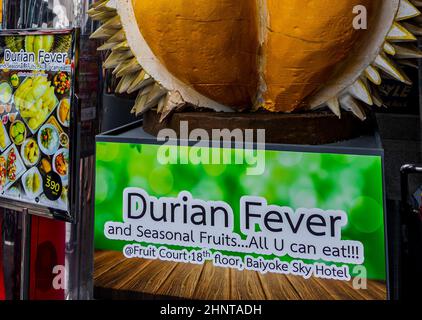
[[30, 57], [264, 229]]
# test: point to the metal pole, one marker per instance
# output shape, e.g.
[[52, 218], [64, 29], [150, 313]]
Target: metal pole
[[25, 255]]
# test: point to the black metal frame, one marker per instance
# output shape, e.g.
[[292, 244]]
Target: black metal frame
[[410, 220]]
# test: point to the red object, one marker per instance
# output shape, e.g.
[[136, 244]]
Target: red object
[[47, 253], [2, 289]]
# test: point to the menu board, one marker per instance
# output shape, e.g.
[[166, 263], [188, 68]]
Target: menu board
[[36, 74]]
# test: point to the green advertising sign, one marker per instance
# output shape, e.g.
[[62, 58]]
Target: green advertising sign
[[308, 215]]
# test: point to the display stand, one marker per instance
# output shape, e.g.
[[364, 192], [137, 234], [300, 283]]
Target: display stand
[[344, 176], [56, 210]]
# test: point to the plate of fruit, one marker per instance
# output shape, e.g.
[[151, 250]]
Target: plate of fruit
[[35, 100], [62, 82], [6, 92], [61, 163], [3, 172], [48, 139], [63, 112], [15, 167], [32, 183], [17, 132], [30, 152], [4, 138], [64, 140]]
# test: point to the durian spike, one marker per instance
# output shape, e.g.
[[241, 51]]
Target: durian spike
[[399, 33], [142, 101], [417, 3], [140, 85], [100, 6], [412, 63], [113, 23], [155, 95], [132, 66], [98, 3], [140, 105], [142, 75], [389, 48], [416, 30], [103, 16], [125, 82], [102, 33], [104, 9], [121, 66], [119, 85], [334, 105], [409, 51], [161, 104], [123, 46], [376, 97], [145, 91], [407, 11], [119, 36], [115, 58], [389, 67], [142, 80], [373, 75], [113, 41], [348, 103], [360, 90], [107, 46], [174, 102]]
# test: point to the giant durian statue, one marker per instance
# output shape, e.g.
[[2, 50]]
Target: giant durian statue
[[282, 56]]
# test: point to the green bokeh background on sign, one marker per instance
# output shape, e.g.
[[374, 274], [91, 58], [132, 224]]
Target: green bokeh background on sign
[[310, 180]]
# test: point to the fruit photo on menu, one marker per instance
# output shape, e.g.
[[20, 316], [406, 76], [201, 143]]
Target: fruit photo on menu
[[35, 113]]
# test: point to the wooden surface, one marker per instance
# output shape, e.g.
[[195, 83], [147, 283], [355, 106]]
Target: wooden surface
[[119, 278], [314, 128]]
